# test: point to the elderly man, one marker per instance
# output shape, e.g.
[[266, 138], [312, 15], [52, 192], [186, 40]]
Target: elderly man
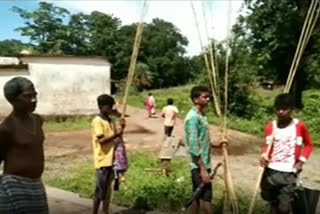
[[21, 150]]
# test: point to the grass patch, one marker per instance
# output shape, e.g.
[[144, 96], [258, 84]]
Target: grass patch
[[69, 124], [147, 190]]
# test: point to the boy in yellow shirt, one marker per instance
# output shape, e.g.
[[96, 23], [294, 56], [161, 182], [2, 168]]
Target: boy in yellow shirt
[[103, 135]]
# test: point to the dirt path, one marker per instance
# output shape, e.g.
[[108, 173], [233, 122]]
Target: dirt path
[[63, 149]]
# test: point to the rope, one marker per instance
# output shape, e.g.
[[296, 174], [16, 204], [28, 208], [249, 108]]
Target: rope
[[214, 94], [306, 33], [133, 60]]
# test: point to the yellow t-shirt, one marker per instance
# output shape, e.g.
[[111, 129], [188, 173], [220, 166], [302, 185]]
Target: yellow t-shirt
[[102, 153]]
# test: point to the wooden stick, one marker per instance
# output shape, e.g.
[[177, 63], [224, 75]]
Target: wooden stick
[[257, 187], [133, 60]]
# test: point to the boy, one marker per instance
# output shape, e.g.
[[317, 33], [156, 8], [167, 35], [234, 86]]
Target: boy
[[291, 147], [104, 134], [169, 113], [197, 138], [21, 149]]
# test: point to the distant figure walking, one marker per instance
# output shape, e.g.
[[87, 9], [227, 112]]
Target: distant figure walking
[[150, 105], [169, 113]]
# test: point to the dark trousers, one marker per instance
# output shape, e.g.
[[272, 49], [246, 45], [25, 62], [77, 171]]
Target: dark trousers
[[278, 189], [168, 130]]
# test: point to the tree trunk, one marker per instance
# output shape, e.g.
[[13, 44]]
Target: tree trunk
[[298, 87]]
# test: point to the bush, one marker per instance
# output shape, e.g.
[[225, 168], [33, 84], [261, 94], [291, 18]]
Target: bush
[[311, 113]]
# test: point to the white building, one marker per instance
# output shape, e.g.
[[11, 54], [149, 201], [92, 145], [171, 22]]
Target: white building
[[66, 85]]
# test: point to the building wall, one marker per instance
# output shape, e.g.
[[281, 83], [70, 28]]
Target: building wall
[[65, 86]]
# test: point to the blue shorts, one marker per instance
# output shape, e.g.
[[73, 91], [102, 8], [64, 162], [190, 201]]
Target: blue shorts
[[104, 178]]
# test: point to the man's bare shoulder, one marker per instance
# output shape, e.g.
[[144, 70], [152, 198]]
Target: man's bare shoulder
[[37, 117], [6, 126]]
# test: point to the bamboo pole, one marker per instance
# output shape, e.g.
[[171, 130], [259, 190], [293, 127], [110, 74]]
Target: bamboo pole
[[133, 60], [304, 37], [214, 94]]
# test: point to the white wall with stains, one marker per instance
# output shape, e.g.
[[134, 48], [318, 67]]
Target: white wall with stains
[[65, 85]]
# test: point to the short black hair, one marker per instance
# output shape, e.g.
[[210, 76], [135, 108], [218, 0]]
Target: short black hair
[[105, 100], [150, 94], [169, 101], [284, 100], [197, 90]]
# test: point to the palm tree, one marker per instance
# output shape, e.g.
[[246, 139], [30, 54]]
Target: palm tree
[[143, 77]]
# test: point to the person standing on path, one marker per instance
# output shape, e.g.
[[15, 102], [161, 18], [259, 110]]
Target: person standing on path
[[197, 140], [150, 105], [21, 150], [169, 113]]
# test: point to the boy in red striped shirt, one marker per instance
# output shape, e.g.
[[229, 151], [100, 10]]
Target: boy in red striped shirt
[[291, 147]]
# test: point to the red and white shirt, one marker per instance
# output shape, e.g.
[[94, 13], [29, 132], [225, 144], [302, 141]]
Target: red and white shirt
[[289, 145]]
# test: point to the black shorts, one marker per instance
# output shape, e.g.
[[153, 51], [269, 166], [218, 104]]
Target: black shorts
[[104, 178], [206, 194], [168, 130], [278, 187]]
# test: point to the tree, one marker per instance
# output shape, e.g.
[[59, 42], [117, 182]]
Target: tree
[[79, 34], [143, 77], [13, 47], [272, 30], [45, 27], [103, 30], [162, 50]]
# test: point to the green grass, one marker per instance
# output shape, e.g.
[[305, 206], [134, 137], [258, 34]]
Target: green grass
[[147, 190], [76, 123]]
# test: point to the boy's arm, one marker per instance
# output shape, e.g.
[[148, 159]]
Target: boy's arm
[[307, 141], [103, 140], [192, 134], [305, 153], [268, 140], [162, 113]]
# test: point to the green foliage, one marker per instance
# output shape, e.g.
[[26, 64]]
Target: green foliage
[[270, 31], [240, 78], [13, 47], [45, 27], [310, 113]]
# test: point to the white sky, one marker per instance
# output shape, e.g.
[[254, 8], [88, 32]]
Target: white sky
[[177, 12]]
